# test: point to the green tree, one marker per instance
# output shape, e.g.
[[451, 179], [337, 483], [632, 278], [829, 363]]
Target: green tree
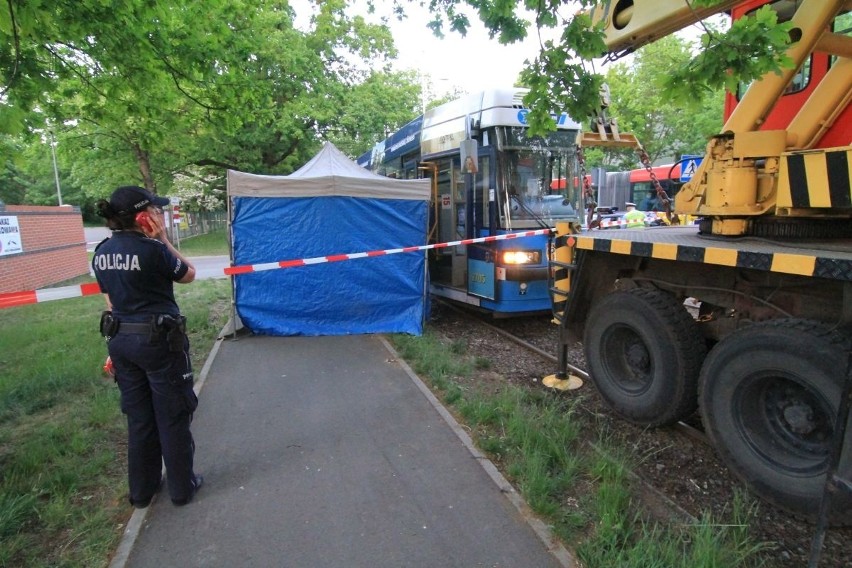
[[123, 76], [295, 88], [13, 188], [143, 93], [373, 110], [665, 128], [29, 177], [45, 43], [199, 189]]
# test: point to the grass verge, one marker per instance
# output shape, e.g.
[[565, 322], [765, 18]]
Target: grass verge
[[214, 243], [63, 484], [540, 443]]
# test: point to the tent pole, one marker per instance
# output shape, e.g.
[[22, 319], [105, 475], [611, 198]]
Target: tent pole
[[231, 260]]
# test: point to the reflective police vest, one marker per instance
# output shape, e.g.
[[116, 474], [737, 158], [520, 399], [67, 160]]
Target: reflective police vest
[[634, 219]]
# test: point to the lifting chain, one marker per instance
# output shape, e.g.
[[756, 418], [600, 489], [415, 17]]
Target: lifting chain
[[588, 192], [661, 193]]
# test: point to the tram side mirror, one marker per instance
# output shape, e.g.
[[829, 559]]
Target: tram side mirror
[[469, 154]]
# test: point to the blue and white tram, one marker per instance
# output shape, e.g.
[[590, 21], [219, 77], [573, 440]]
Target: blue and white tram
[[488, 179]]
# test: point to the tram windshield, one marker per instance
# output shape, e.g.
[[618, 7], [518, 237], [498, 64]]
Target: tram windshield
[[531, 179]]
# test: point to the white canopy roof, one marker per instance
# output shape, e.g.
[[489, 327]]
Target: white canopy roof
[[329, 173]]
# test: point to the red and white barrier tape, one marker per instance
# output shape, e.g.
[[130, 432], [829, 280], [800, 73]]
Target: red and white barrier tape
[[13, 299], [605, 224], [231, 270]]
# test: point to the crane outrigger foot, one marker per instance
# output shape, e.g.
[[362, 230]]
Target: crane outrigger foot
[[563, 382]]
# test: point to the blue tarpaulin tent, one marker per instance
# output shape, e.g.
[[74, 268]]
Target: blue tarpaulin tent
[[330, 206]]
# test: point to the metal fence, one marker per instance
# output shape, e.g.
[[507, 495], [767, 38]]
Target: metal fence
[[201, 223]]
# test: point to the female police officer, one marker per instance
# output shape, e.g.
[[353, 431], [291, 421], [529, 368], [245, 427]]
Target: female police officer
[[136, 268]]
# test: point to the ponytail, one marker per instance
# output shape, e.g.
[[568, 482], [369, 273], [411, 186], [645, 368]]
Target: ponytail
[[115, 221]]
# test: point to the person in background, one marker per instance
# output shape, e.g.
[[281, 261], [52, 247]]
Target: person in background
[[136, 268], [650, 202], [634, 217]]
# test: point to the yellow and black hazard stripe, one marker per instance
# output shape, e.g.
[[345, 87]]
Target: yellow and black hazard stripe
[[816, 179], [827, 265], [563, 265]]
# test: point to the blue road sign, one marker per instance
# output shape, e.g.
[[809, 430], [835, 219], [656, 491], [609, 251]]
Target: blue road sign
[[689, 164]]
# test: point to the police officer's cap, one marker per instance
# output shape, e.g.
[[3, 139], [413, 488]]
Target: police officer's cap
[[628, 204], [132, 198]]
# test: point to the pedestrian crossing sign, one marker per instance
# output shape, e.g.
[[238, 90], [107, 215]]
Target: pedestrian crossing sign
[[689, 165]]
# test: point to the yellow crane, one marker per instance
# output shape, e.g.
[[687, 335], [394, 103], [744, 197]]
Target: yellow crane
[[745, 316]]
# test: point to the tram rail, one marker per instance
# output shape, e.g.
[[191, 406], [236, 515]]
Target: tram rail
[[683, 428]]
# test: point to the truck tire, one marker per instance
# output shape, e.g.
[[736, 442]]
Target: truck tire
[[644, 352], [769, 396]]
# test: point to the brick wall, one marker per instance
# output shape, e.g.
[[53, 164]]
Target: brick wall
[[54, 248]]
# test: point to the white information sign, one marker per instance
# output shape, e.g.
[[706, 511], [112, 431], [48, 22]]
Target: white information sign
[[10, 236]]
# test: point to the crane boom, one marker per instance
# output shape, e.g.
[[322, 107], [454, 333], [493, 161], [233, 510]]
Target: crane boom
[[630, 24]]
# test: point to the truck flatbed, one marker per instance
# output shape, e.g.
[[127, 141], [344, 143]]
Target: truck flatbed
[[820, 259]]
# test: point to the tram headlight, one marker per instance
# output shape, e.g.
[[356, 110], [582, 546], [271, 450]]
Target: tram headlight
[[521, 257]]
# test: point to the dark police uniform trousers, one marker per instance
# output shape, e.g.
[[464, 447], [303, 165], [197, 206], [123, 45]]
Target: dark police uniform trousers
[[155, 379], [157, 397]]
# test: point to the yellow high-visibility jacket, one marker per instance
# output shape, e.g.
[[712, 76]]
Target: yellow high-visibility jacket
[[634, 219]]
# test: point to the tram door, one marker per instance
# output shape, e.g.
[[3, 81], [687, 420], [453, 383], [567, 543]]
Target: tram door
[[481, 270], [450, 264]]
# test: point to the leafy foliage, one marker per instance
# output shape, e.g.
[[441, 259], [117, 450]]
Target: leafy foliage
[[373, 109], [642, 105], [141, 93], [738, 50]]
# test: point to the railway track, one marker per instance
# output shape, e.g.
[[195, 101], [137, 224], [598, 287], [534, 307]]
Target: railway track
[[681, 427]]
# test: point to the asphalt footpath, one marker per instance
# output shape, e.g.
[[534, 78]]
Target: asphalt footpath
[[330, 451]]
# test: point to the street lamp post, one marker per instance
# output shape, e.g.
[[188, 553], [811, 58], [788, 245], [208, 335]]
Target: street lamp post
[[55, 169]]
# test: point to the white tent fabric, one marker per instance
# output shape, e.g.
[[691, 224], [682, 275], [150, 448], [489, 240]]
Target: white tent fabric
[[328, 173]]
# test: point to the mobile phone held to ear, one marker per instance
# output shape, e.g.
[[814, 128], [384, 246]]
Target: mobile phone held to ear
[[144, 220]]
